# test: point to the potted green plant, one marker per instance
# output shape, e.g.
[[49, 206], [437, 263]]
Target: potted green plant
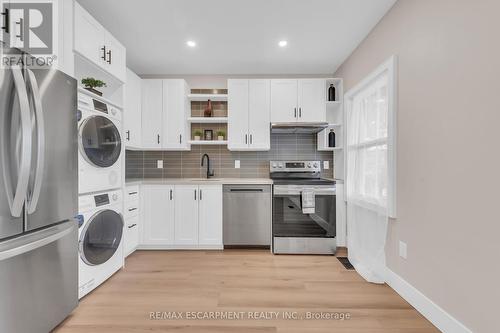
[[221, 135], [197, 135], [90, 83]]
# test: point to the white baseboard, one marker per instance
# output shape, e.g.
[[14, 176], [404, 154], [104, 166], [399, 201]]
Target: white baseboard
[[435, 314], [180, 247]]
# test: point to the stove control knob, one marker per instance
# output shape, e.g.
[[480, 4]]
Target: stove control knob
[[274, 165], [280, 165], [309, 165], [315, 165]]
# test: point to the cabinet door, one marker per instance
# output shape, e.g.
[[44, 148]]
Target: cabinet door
[[237, 105], [284, 100], [210, 215], [174, 114], [132, 113], [312, 100], [158, 215], [89, 36], [4, 8], [131, 234], [115, 62], [259, 115], [152, 100], [186, 215]]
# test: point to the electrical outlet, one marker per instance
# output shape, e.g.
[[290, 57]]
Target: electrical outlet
[[403, 252], [326, 165], [236, 164], [159, 164]]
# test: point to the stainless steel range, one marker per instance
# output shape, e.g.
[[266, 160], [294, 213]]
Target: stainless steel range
[[303, 208]]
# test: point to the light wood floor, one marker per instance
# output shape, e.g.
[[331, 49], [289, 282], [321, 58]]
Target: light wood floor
[[240, 280]]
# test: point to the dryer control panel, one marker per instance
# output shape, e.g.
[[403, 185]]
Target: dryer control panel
[[88, 202]]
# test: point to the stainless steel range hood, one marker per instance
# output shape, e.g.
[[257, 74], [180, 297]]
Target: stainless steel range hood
[[295, 127]]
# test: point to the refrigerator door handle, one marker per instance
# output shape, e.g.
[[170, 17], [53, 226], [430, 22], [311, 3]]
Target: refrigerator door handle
[[17, 196], [40, 128], [33, 241]]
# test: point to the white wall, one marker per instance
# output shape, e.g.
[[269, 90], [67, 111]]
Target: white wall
[[448, 172]]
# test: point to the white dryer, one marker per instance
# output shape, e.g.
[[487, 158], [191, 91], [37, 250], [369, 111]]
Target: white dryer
[[100, 145], [100, 238]]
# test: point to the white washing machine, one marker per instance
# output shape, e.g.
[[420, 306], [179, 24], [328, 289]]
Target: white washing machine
[[100, 238], [100, 145]]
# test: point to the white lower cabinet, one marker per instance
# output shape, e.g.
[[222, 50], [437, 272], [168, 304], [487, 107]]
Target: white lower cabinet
[[186, 215], [182, 217], [131, 234], [158, 215], [210, 216], [131, 219]]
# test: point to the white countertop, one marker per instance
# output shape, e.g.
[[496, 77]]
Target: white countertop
[[199, 181]]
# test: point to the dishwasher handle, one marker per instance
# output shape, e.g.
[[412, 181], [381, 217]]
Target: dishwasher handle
[[246, 190]]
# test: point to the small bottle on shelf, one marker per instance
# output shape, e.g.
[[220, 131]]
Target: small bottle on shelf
[[331, 139], [331, 93]]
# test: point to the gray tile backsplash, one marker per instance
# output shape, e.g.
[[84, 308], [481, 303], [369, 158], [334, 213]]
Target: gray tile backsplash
[[143, 164]]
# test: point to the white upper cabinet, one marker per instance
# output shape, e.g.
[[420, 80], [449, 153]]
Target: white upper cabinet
[[249, 115], [186, 215], [115, 62], [237, 105], [176, 108], [133, 113], [284, 100], [259, 115], [302, 100], [210, 215], [93, 42], [152, 105], [89, 36], [158, 215], [311, 100]]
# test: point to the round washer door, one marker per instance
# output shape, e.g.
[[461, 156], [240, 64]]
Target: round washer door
[[100, 141], [101, 237]]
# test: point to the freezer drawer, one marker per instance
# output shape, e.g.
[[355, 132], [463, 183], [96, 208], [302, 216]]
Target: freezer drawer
[[247, 215], [39, 279]]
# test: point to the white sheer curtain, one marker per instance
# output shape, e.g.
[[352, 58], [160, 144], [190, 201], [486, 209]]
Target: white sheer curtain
[[367, 183]]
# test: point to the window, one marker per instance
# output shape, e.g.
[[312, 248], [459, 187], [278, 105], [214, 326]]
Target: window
[[370, 148]]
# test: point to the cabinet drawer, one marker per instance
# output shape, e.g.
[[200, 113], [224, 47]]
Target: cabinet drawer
[[131, 234], [132, 208], [132, 193]]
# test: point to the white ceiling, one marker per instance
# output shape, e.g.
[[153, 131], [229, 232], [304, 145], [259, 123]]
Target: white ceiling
[[238, 36]]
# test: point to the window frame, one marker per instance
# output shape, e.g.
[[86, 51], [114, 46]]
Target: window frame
[[389, 66]]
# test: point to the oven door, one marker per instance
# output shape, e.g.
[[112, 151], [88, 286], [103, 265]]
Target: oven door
[[289, 220]]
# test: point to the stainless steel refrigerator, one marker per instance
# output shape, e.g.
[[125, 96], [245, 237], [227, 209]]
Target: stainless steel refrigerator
[[38, 198]]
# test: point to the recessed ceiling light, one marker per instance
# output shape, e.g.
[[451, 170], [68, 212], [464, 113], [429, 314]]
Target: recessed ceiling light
[[283, 43], [191, 43]]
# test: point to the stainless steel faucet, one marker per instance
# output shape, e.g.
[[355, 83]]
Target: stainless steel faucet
[[209, 173]]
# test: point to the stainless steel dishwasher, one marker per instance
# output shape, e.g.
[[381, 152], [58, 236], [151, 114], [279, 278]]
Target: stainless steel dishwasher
[[247, 215]]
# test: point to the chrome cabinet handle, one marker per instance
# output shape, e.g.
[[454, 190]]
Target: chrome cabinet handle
[[251, 140], [103, 49], [300, 112], [109, 57], [128, 135], [132, 209], [132, 193], [21, 29], [180, 138], [171, 195], [295, 112], [158, 139], [40, 128], [246, 138], [132, 225], [17, 195], [195, 194], [6, 21], [201, 196]]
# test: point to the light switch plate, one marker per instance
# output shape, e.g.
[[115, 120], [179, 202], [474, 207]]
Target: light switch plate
[[326, 165], [159, 164], [236, 164], [403, 250]]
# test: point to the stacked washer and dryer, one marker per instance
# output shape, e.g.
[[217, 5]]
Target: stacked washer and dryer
[[100, 204]]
